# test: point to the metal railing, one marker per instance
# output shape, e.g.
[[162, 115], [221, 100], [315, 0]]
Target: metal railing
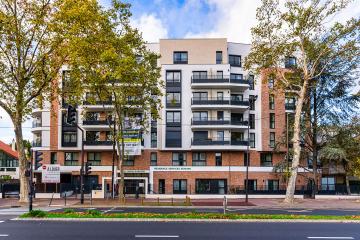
[[216, 121], [36, 124], [217, 79], [97, 143], [97, 122], [219, 101], [218, 141]]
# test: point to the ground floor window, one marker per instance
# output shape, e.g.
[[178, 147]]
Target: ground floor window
[[161, 186], [252, 184], [179, 186], [210, 186], [272, 185], [328, 183]]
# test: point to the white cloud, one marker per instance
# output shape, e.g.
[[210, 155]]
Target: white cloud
[[151, 27], [235, 19]]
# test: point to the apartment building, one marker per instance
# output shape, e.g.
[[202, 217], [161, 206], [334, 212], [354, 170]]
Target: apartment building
[[214, 113]]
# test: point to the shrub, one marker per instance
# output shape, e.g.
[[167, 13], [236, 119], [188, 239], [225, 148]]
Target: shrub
[[93, 212], [36, 213], [69, 210]]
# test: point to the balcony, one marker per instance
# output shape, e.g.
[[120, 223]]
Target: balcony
[[36, 126], [219, 81], [219, 103], [37, 143], [214, 123], [98, 104], [98, 143], [218, 144]]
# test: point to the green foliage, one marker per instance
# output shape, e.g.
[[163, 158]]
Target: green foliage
[[69, 210], [35, 213], [93, 212]]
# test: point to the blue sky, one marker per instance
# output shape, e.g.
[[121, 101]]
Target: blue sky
[[156, 19]]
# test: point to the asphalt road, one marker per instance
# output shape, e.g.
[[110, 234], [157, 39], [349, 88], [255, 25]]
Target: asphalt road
[[244, 210], [41, 230]]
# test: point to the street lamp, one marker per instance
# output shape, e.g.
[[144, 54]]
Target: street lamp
[[248, 153]]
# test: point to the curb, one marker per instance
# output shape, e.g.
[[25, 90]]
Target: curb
[[184, 220]]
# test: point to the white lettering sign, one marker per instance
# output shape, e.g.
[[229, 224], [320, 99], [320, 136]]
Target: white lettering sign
[[50, 173]]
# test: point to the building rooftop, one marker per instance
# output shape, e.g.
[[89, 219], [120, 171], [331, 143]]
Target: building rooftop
[[8, 150]]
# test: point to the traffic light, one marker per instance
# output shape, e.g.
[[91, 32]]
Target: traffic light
[[38, 160], [87, 168], [71, 115]]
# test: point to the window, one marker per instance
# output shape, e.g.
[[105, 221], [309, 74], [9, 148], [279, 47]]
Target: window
[[245, 159], [173, 137], [71, 158], [271, 102], [290, 103], [153, 139], [53, 158], [200, 135], [251, 82], [235, 76], [271, 83], [199, 159], [219, 74], [252, 184], [129, 160], [219, 57], [200, 116], [173, 99], [237, 97], [252, 102], [200, 95], [92, 116], [272, 140], [69, 139], [252, 140], [235, 60], [218, 159], [161, 186], [153, 159], [252, 121], [94, 158], [210, 186], [179, 159], [199, 74], [328, 184], [265, 159], [108, 136], [173, 117], [220, 115], [220, 135], [92, 136], [272, 120], [180, 57], [179, 186], [173, 77], [272, 185], [220, 95], [290, 62]]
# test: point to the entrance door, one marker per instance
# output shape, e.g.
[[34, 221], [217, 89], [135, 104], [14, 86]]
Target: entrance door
[[161, 186], [133, 186]]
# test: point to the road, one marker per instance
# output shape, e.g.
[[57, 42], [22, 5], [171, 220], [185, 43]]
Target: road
[[41, 230], [244, 210]]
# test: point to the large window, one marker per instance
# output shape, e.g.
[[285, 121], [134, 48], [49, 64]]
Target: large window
[[210, 186], [179, 159], [252, 140], [129, 160], [219, 57], [199, 159], [94, 158], [153, 159], [71, 159], [290, 62], [252, 186], [199, 74], [173, 137], [92, 136], [218, 159], [173, 117], [179, 186], [200, 95], [272, 140], [173, 99], [7, 161], [246, 162], [235, 76], [154, 139], [173, 77], [252, 102], [180, 57], [235, 60], [271, 102], [200, 116], [92, 116], [69, 138], [265, 159], [251, 82], [53, 158], [328, 183], [272, 185], [272, 120]]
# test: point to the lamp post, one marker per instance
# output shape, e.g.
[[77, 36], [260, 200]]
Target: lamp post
[[253, 99]]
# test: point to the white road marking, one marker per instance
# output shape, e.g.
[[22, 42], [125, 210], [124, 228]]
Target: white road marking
[[330, 237], [4, 235], [304, 210], [2, 221], [111, 209], [156, 236]]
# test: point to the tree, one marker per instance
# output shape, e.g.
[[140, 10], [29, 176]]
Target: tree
[[300, 30], [119, 70], [36, 39], [342, 146]]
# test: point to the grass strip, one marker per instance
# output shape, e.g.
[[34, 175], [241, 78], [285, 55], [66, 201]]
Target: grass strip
[[191, 215]]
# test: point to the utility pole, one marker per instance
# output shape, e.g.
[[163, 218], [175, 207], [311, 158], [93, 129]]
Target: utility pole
[[113, 165], [31, 192]]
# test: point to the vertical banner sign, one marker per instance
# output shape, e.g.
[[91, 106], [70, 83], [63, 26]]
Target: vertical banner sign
[[132, 136], [50, 173]]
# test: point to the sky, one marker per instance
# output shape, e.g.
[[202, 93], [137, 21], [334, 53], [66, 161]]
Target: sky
[[157, 19]]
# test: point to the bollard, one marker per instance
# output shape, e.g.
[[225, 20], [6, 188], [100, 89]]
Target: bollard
[[90, 197], [225, 203], [172, 201], [158, 201], [65, 198], [142, 201]]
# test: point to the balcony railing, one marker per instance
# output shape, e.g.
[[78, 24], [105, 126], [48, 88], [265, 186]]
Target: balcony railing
[[97, 122], [217, 79], [219, 101], [108, 102], [215, 121], [37, 143], [36, 124], [97, 143], [218, 141], [290, 106]]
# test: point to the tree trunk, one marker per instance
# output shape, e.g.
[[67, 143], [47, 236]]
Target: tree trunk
[[347, 184], [290, 190], [314, 141], [24, 183], [121, 151]]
